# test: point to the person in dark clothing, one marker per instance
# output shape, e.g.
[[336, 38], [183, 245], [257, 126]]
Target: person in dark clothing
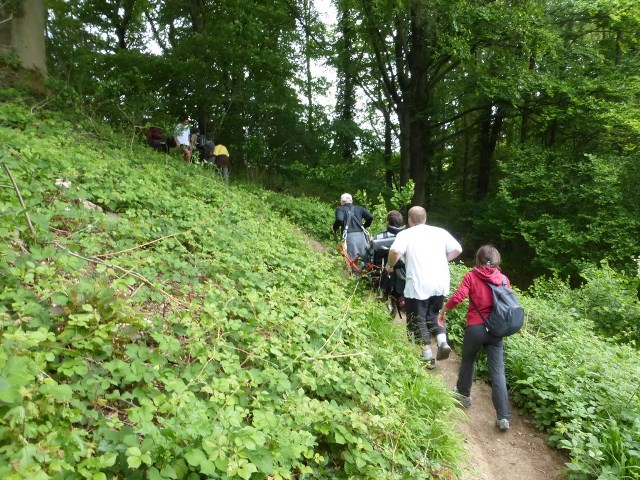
[[395, 224], [391, 284], [157, 140], [474, 285], [352, 220]]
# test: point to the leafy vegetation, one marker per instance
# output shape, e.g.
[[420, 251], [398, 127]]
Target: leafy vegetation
[[154, 327], [158, 324]]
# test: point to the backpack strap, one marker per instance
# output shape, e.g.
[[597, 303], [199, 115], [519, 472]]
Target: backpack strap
[[476, 307], [504, 284], [348, 220]]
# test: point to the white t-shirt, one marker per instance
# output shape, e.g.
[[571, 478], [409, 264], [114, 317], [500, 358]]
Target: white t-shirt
[[425, 249], [182, 132]]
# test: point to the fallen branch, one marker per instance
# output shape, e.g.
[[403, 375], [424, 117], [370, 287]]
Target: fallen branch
[[343, 355], [128, 272], [24, 207], [146, 244]]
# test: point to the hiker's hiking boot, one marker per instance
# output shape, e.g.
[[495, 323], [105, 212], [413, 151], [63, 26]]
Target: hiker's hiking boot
[[443, 351], [502, 424], [465, 402]]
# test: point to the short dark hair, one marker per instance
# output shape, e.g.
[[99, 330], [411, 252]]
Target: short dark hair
[[394, 218], [488, 256]]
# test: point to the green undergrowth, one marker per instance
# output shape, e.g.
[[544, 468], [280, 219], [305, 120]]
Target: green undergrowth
[[157, 324], [578, 383]]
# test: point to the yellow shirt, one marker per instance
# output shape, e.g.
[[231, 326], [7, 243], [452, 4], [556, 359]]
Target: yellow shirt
[[220, 150]]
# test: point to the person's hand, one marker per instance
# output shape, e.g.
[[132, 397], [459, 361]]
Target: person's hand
[[442, 319]]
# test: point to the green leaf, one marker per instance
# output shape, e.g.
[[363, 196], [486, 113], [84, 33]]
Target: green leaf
[[246, 470], [154, 474], [59, 298], [195, 457], [59, 392], [134, 451]]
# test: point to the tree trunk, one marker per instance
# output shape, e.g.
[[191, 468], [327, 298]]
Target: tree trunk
[[526, 107], [345, 143], [420, 144], [309, 74], [490, 127], [466, 157], [405, 143], [388, 147], [26, 33]]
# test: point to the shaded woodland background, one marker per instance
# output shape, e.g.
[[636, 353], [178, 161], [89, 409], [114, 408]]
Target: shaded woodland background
[[518, 122]]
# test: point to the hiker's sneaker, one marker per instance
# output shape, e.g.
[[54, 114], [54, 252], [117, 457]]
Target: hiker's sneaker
[[464, 402], [431, 362], [502, 424], [443, 351]]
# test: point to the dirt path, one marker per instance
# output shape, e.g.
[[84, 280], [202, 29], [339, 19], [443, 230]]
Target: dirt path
[[519, 454]]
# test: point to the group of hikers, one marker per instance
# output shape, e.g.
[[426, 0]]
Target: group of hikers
[[422, 253], [211, 152]]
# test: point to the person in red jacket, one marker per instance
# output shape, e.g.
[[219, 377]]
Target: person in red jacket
[[474, 285]]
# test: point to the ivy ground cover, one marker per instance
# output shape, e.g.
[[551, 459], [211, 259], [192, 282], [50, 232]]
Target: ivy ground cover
[[157, 324]]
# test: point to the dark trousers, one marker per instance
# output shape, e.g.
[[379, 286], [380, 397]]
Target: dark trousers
[[475, 338], [422, 318]]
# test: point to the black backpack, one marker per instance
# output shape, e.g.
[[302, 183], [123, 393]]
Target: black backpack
[[507, 316], [207, 149]]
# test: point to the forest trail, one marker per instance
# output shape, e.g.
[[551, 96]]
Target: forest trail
[[521, 453]]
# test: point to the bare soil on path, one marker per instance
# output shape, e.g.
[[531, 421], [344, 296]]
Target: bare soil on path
[[518, 454]]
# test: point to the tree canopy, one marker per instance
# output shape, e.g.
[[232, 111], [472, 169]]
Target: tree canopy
[[517, 123]]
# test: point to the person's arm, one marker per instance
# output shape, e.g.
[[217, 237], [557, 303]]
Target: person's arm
[[396, 251], [453, 254], [453, 248], [339, 219], [394, 256], [458, 296], [368, 217]]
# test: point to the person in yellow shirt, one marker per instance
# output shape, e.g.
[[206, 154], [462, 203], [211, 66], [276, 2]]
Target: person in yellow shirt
[[221, 155]]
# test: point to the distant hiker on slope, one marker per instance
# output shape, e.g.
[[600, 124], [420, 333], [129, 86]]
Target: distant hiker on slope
[[221, 155], [474, 285], [183, 138]]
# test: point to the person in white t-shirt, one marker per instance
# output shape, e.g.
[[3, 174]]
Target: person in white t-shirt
[[183, 138], [427, 251]]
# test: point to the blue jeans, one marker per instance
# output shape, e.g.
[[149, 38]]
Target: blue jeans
[[475, 338]]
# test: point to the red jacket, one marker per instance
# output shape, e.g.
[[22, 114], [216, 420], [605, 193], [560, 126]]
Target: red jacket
[[474, 285]]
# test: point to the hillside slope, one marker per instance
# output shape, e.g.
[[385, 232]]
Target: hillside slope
[[157, 324]]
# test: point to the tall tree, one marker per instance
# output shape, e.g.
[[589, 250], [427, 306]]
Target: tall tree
[[345, 123], [22, 32]]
